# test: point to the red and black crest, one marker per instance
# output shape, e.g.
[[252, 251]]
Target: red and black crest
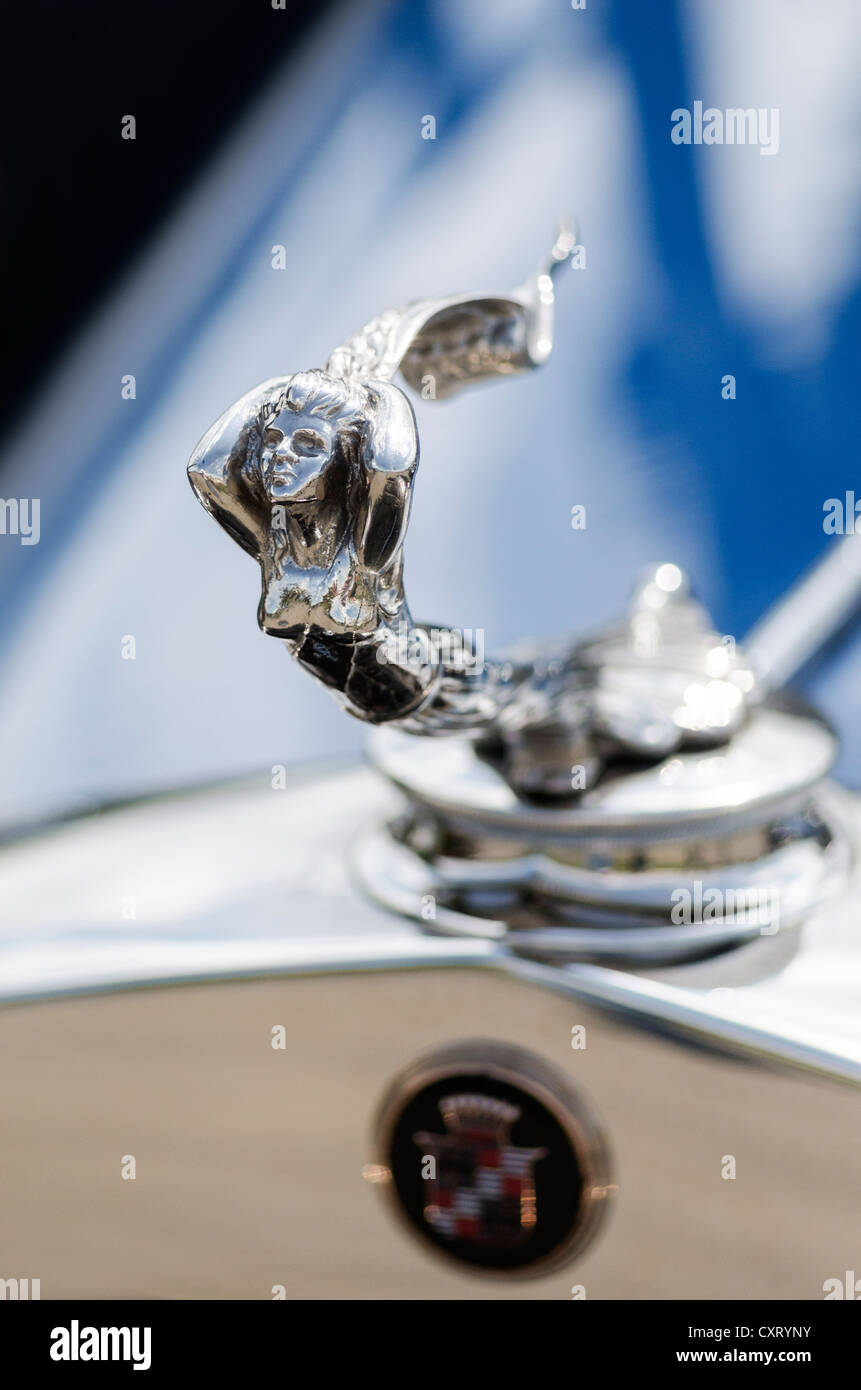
[[481, 1186], [493, 1157]]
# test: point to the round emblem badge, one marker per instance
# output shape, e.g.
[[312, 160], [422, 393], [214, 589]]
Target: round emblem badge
[[493, 1158]]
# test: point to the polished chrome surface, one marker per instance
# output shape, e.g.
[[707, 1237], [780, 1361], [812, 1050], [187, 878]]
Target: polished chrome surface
[[618, 913], [772, 764], [243, 880], [593, 781], [747, 835], [313, 474], [659, 682], [809, 615], [600, 785]]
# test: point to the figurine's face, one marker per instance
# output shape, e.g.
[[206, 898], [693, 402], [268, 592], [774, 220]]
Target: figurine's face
[[296, 448]]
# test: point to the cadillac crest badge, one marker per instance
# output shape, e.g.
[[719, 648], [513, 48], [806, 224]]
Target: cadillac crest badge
[[494, 1158]]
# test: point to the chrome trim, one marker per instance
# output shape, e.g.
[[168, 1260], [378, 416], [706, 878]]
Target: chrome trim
[[791, 999], [803, 620]]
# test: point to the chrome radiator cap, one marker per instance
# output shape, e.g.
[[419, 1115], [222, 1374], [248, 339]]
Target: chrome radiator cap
[[687, 857]]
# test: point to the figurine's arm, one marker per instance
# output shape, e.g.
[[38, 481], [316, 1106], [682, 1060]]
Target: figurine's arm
[[215, 468], [389, 456]]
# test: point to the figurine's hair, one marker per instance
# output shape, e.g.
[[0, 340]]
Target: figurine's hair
[[312, 393], [320, 394]]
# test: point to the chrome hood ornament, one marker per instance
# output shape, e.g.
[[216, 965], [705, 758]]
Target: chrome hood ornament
[[313, 475]]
